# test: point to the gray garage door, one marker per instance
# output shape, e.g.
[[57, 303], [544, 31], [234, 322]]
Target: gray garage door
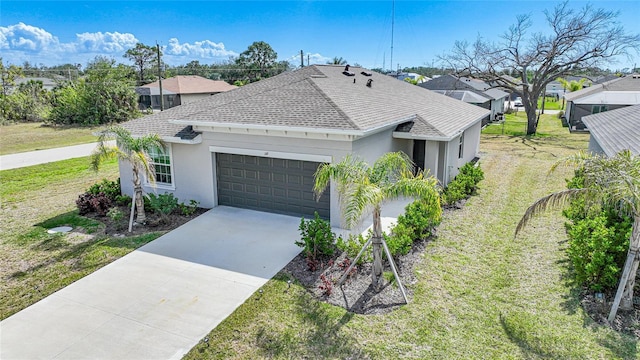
[[268, 184]]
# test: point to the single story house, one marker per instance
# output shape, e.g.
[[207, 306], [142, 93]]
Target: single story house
[[614, 131], [472, 91], [258, 146], [179, 90], [609, 95]]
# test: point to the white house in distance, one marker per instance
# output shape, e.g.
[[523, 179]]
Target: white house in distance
[[606, 96], [179, 90], [258, 146]]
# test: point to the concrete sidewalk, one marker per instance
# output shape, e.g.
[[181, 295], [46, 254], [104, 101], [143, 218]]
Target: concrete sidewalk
[[13, 161], [162, 299]]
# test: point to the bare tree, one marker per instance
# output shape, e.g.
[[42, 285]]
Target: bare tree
[[578, 38]]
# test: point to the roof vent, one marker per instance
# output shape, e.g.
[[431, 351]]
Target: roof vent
[[365, 73], [369, 82], [347, 73], [346, 68], [354, 80]]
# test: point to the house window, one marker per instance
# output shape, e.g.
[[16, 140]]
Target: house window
[[161, 161], [461, 147], [598, 109]]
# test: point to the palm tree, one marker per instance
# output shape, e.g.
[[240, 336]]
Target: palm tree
[[607, 181], [362, 187], [337, 61], [135, 151], [571, 86]]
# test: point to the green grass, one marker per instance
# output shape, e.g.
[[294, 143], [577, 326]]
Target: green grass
[[550, 104], [34, 263], [481, 294], [23, 137]]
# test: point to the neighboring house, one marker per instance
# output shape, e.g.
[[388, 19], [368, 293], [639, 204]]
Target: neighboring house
[[259, 146], [47, 83], [555, 88], [610, 95], [413, 76], [471, 91], [614, 131], [179, 90]]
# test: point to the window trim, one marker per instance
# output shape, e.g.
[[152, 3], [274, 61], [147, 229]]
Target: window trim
[[461, 146], [168, 186]]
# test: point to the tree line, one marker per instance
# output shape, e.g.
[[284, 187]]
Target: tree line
[[103, 92]]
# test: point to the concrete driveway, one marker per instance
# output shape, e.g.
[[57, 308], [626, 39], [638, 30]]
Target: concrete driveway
[[160, 300]]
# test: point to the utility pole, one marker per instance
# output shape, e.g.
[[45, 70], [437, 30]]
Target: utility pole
[[393, 15], [160, 77], [302, 59]]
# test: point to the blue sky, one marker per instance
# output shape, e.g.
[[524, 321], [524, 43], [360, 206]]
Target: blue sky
[[56, 32]]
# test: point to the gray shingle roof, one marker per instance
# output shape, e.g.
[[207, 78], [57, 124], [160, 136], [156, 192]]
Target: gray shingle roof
[[616, 130], [450, 82], [320, 97], [627, 83]]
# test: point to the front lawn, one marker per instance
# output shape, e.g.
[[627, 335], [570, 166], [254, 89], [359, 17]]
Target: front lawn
[[23, 137], [34, 263], [480, 293]]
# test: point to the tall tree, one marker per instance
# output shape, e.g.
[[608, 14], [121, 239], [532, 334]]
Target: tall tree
[[257, 60], [586, 37], [362, 187], [144, 57], [104, 96], [135, 151], [612, 182], [8, 75]]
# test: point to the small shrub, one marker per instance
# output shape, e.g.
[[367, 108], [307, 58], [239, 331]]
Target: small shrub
[[560, 114], [163, 204], [123, 200], [98, 203], [597, 249], [390, 278], [110, 188], [400, 240], [353, 245], [422, 216], [464, 184], [326, 286], [116, 215], [316, 237], [188, 210]]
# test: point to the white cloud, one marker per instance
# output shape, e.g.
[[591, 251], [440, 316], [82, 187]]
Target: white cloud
[[317, 58], [26, 38], [22, 42], [205, 49], [105, 42]]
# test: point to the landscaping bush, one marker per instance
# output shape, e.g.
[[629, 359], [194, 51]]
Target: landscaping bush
[[98, 203], [598, 240], [316, 237], [598, 247], [110, 188], [353, 245], [123, 200], [163, 204], [464, 184], [422, 216], [188, 210], [400, 240]]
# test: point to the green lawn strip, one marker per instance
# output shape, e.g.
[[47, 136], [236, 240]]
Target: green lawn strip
[[23, 137], [480, 292], [35, 264]]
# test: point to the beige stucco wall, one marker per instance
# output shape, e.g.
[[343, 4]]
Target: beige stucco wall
[[194, 164]]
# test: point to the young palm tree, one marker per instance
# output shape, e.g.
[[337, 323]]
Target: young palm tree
[[572, 85], [361, 188], [607, 181], [337, 61], [135, 151]]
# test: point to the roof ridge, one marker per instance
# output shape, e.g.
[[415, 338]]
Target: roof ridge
[[332, 103]]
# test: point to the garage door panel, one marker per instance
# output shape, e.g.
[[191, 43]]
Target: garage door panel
[[269, 184]]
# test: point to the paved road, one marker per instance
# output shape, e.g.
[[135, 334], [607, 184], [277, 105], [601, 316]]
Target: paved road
[[13, 161]]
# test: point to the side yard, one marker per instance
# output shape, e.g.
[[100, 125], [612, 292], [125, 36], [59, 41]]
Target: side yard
[[34, 263], [23, 137], [480, 293]]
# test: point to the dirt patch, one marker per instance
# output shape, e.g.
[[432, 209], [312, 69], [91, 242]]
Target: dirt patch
[[598, 305]]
